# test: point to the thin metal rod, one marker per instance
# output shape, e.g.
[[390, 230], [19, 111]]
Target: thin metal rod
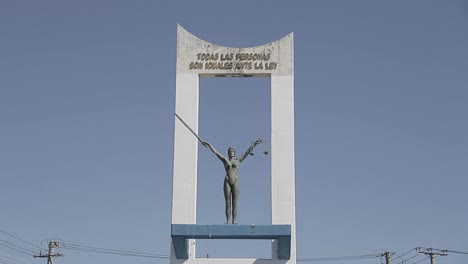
[[185, 124]]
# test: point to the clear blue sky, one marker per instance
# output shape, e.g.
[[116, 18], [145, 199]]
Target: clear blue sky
[[87, 92]]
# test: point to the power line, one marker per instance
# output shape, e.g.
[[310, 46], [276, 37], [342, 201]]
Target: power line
[[13, 258], [24, 252], [120, 254], [457, 252], [67, 245], [112, 251], [401, 256], [22, 240], [406, 260], [6, 260], [420, 260], [412, 257], [342, 258], [2, 261], [9, 243]]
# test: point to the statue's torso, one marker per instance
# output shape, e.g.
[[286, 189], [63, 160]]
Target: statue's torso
[[231, 167]]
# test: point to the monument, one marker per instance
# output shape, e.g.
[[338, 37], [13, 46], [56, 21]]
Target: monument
[[198, 58]]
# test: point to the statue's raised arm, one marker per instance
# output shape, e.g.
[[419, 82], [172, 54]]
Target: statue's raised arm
[[208, 145], [250, 149]]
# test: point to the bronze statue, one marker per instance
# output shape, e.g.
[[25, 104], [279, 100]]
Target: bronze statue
[[231, 181]]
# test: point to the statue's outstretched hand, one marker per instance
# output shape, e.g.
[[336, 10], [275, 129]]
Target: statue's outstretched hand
[[258, 141]]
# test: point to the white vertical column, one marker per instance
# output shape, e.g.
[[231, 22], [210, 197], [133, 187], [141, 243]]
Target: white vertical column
[[283, 196], [184, 185]]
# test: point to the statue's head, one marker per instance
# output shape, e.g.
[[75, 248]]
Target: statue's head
[[231, 152]]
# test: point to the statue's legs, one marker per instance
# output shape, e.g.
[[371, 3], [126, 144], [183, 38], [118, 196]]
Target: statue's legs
[[235, 196], [227, 199]]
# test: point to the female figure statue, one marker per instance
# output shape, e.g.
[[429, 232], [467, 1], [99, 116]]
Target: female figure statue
[[231, 181]]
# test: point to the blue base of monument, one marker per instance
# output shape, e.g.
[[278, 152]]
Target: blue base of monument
[[181, 232]]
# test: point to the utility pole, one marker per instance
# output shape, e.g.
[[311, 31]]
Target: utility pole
[[431, 252], [388, 257], [50, 256]]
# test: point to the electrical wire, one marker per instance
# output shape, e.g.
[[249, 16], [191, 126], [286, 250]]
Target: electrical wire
[[163, 256], [406, 253], [406, 260], [108, 249], [401, 256], [101, 250], [397, 256], [22, 240], [420, 260], [24, 252], [457, 252], [23, 248], [112, 251], [5, 262], [13, 258], [341, 258], [120, 254]]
